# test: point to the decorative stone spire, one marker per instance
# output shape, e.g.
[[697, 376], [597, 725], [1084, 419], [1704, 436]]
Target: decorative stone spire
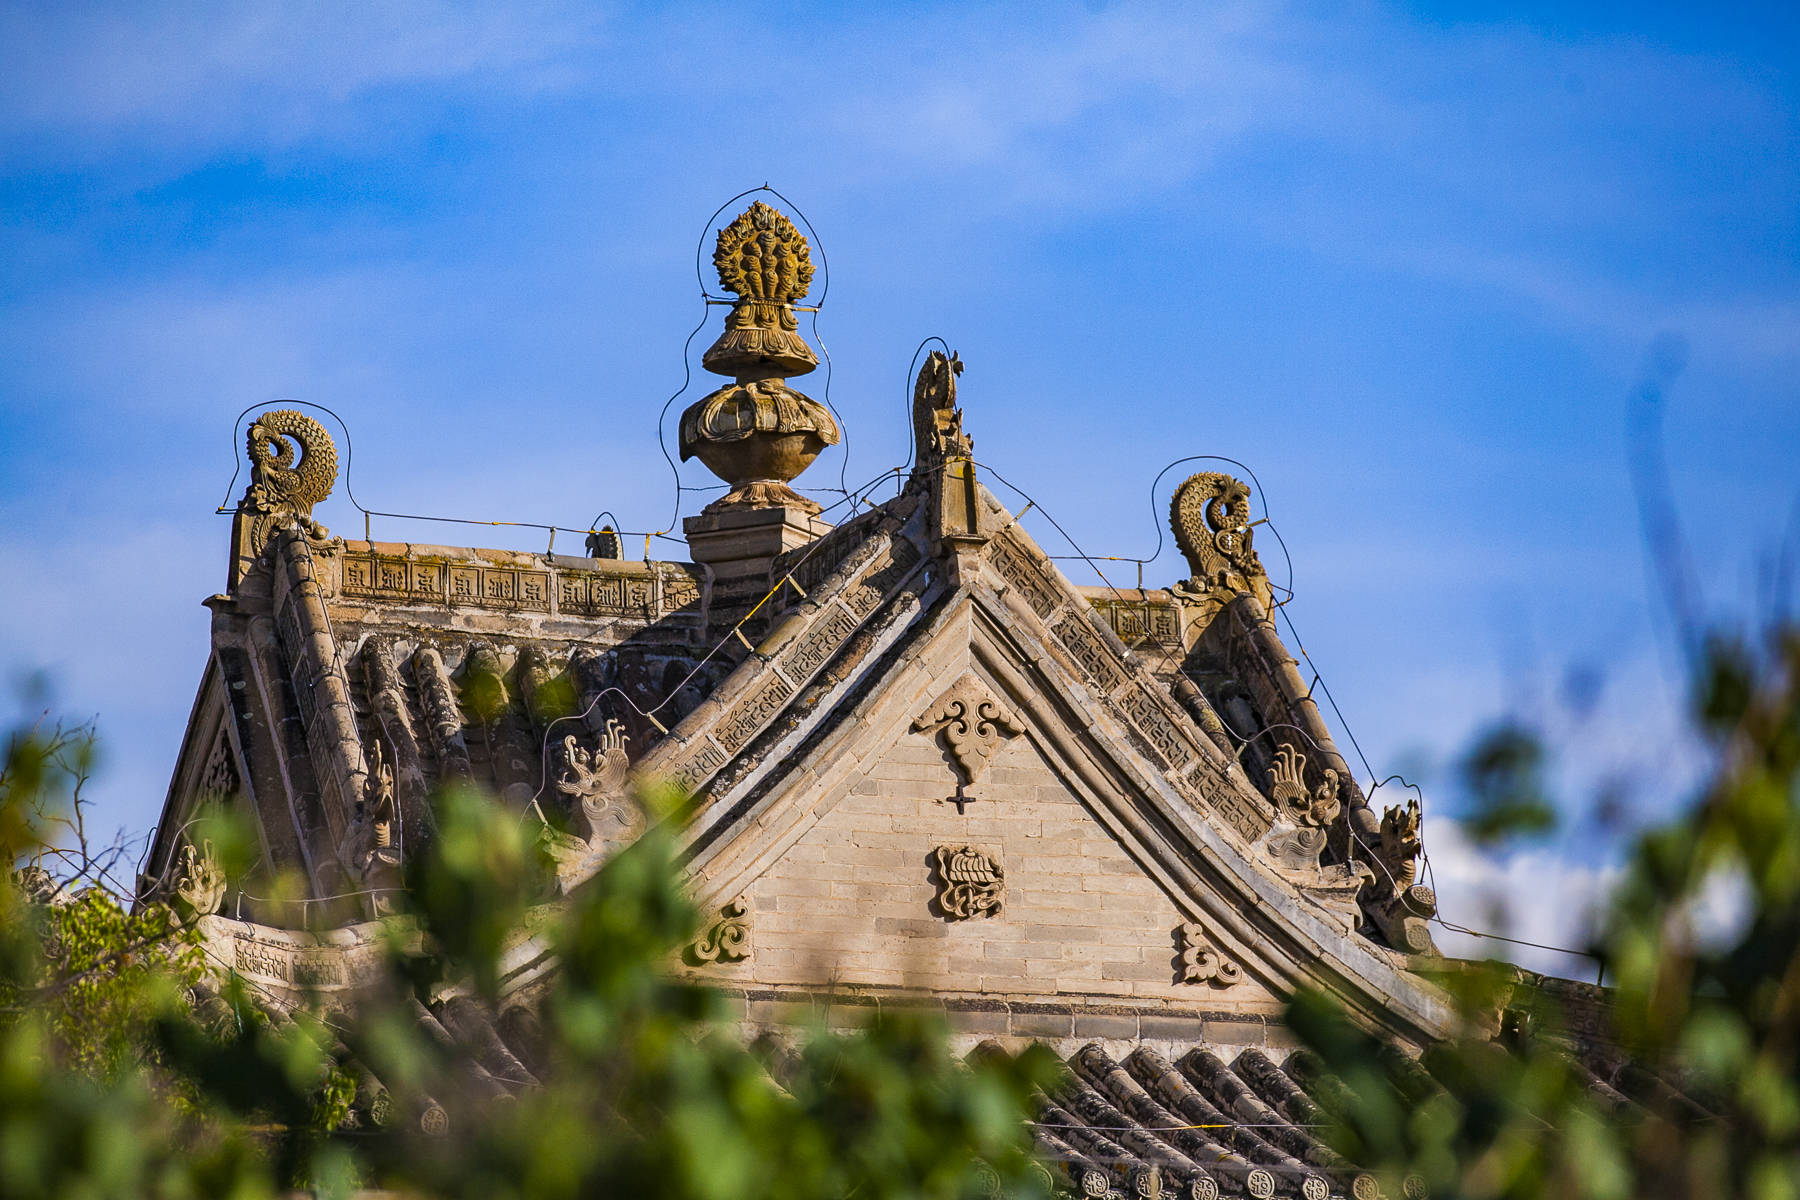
[[758, 433]]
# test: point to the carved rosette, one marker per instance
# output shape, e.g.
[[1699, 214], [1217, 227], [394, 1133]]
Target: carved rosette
[[727, 940], [970, 883], [971, 724], [758, 433], [1201, 962]]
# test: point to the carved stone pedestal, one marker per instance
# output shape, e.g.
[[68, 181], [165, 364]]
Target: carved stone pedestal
[[741, 543]]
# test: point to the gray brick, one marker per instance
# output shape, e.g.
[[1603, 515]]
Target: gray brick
[[1105, 1025], [1042, 1024]]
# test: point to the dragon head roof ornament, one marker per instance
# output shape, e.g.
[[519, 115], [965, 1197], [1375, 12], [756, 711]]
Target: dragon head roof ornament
[[757, 433]]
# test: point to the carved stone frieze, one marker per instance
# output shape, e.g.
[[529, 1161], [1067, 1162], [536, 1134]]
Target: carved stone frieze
[[810, 651], [1017, 570], [1208, 791], [1158, 730], [970, 723], [219, 778], [866, 595], [1201, 962], [752, 712], [1139, 621], [1096, 661], [727, 940], [970, 882], [697, 765]]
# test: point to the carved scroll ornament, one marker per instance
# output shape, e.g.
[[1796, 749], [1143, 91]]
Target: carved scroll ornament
[[728, 939], [1201, 962], [970, 883], [971, 724]]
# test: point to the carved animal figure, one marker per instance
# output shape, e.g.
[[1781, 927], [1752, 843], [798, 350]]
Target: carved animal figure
[[276, 483], [937, 422], [1210, 516], [597, 779], [1401, 843], [1287, 787]]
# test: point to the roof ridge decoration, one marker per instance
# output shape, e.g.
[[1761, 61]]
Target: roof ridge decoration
[[281, 491], [757, 433], [1210, 517]]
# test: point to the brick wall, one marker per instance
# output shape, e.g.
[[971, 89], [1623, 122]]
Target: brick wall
[[851, 902]]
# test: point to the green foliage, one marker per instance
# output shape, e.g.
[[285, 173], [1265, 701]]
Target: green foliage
[[1717, 1016], [114, 1082], [1504, 774]]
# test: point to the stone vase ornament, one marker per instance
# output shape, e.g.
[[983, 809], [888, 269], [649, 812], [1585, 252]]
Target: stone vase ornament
[[757, 433]]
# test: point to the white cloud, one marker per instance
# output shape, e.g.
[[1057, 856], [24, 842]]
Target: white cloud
[[1533, 895], [210, 73]]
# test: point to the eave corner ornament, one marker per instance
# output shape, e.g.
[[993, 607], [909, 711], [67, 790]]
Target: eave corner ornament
[[1210, 517], [970, 883], [758, 433], [1300, 837], [1402, 908], [937, 422], [971, 724]]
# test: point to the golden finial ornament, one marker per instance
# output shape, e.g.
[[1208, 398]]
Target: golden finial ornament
[[757, 433]]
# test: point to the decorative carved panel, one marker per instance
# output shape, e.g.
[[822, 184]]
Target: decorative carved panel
[[831, 630], [970, 723], [1201, 962], [1018, 571], [1092, 655], [752, 712], [970, 883], [727, 940]]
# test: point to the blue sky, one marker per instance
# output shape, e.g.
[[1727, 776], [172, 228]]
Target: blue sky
[[1406, 263]]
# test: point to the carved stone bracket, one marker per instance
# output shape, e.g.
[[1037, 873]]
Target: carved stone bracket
[[971, 724], [728, 938], [970, 883], [1201, 962]]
